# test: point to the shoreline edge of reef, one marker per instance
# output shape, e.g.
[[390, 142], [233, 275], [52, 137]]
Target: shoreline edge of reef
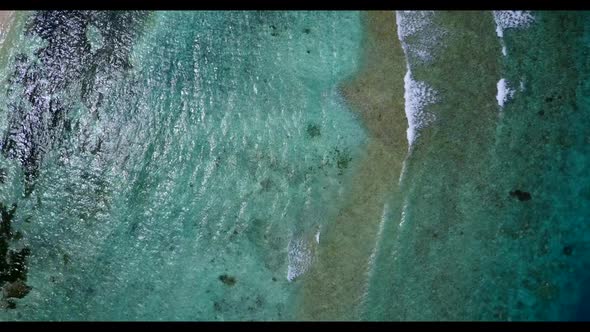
[[337, 284]]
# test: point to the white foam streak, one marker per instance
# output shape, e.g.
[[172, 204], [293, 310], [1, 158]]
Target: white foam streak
[[417, 94], [300, 257], [384, 217], [372, 259], [504, 92], [418, 26], [404, 213], [499, 30], [511, 19], [506, 19]]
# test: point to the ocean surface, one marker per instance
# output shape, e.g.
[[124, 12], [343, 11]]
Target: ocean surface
[[242, 165]]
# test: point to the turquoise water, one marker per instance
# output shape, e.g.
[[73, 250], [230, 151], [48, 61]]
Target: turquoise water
[[187, 165], [217, 149]]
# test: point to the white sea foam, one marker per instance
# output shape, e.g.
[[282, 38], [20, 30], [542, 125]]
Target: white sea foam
[[510, 19], [504, 92], [499, 30], [417, 25], [300, 257], [411, 21], [404, 213], [506, 19], [417, 95]]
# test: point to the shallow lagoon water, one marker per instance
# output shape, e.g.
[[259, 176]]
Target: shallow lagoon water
[[206, 157], [256, 166]]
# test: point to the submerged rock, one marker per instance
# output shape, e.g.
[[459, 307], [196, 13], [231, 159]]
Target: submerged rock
[[521, 195], [17, 289], [228, 280], [313, 130]]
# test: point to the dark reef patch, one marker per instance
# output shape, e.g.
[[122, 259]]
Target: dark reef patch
[[17, 289], [227, 280], [10, 304], [266, 184], [66, 259], [313, 130], [13, 268], [521, 195], [342, 159], [217, 306], [274, 32]]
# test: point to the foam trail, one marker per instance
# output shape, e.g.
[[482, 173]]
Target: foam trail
[[510, 19], [372, 259], [417, 94], [300, 257], [404, 213], [504, 92]]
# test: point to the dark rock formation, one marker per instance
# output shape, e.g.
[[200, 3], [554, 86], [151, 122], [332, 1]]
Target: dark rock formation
[[228, 280], [521, 195]]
